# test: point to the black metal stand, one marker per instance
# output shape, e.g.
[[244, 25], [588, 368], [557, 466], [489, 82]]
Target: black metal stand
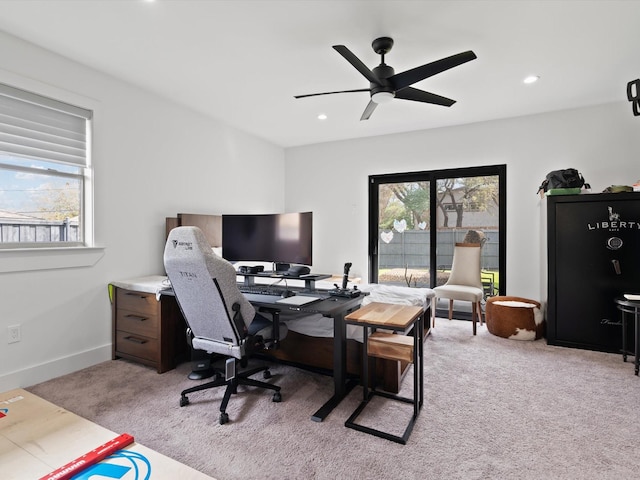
[[418, 387], [633, 307]]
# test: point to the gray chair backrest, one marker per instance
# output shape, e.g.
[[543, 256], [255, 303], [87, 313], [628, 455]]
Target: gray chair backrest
[[205, 288]]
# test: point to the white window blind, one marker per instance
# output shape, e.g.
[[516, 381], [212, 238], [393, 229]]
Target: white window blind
[[38, 127], [46, 178]]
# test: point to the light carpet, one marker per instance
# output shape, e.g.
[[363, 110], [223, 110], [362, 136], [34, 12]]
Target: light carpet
[[494, 409]]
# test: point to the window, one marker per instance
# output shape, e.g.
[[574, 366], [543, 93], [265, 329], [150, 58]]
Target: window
[[45, 171], [416, 218]]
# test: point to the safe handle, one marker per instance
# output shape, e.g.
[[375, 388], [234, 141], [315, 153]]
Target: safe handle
[[616, 266]]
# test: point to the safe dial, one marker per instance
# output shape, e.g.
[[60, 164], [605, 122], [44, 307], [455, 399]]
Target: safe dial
[[614, 243]]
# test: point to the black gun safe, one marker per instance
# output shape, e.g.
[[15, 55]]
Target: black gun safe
[[593, 243]]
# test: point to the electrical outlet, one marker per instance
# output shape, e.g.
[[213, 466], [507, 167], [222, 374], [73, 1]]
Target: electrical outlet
[[14, 333]]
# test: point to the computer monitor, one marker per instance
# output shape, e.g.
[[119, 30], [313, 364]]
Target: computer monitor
[[276, 238]]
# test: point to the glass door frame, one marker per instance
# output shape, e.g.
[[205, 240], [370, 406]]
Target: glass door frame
[[432, 176]]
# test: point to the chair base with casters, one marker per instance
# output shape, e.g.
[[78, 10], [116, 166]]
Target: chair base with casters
[[232, 377], [241, 378]]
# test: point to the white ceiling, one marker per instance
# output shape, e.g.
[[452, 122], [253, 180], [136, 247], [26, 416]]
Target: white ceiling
[[242, 61]]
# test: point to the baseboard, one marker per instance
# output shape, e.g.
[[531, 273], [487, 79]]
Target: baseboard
[[56, 368]]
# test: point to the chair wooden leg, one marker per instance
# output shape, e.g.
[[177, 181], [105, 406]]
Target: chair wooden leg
[[480, 314], [450, 309], [473, 315]]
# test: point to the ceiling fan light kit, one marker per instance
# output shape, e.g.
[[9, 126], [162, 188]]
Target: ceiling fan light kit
[[382, 97], [385, 84]]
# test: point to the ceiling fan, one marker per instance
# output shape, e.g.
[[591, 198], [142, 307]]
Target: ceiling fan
[[385, 84]]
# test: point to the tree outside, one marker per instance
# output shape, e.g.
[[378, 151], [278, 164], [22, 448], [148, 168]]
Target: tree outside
[[465, 202], [410, 201], [57, 202]]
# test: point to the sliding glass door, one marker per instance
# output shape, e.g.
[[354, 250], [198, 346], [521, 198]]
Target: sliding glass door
[[416, 218]]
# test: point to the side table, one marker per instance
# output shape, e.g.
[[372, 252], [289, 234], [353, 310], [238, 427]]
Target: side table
[[399, 319], [633, 307]]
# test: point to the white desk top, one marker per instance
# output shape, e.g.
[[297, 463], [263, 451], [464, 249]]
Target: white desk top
[[148, 284]]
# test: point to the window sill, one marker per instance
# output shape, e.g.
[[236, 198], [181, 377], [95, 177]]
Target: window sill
[[31, 259]]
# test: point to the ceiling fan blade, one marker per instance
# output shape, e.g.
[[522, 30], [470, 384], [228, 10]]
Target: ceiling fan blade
[[357, 63], [331, 93], [404, 79], [416, 95], [368, 110]]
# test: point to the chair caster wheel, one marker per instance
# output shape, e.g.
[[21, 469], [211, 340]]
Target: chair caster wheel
[[277, 397], [184, 401], [224, 418], [266, 374]]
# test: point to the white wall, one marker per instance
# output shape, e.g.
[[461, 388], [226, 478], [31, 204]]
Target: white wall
[[331, 179], [152, 159]]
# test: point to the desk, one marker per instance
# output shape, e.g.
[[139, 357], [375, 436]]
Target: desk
[[336, 308], [166, 342], [630, 306], [400, 319]]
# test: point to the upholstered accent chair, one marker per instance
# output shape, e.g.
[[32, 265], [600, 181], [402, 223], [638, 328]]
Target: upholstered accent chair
[[464, 283]]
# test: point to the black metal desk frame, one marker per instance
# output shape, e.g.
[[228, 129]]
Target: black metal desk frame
[[418, 380], [336, 308], [632, 307]]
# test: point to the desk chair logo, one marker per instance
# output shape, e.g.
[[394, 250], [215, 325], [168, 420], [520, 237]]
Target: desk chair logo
[[614, 223], [186, 245], [122, 465]]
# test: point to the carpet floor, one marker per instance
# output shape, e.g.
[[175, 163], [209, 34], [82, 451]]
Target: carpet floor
[[494, 409]]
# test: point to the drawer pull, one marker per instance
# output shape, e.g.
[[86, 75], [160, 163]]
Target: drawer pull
[[139, 341], [131, 294], [136, 317]]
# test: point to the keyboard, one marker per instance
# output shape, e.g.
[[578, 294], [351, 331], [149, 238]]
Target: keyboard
[[262, 298], [260, 290]]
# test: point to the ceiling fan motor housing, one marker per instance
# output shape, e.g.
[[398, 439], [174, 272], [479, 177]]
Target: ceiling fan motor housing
[[383, 72]]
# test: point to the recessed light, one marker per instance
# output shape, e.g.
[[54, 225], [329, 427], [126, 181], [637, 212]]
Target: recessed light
[[532, 79], [322, 116]]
